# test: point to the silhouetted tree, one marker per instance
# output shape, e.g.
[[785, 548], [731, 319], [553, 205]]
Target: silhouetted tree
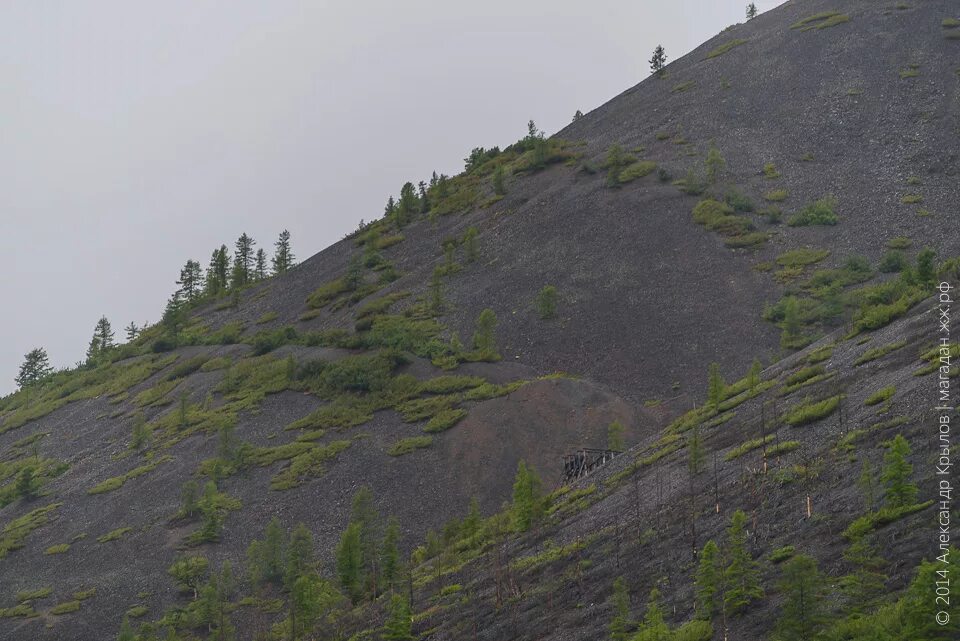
[[191, 281], [102, 338], [132, 331], [283, 258], [751, 11], [243, 261], [658, 60], [218, 271], [260, 265], [577, 115]]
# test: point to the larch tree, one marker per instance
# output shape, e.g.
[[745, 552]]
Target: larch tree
[[715, 386], [399, 621], [900, 490], [483, 339], [35, 367], [349, 562], [709, 582], [621, 624], [390, 555], [218, 273], [804, 589], [102, 339], [132, 331], [658, 60], [283, 258], [751, 11], [191, 281], [260, 265], [243, 261], [527, 498], [742, 575], [407, 206]]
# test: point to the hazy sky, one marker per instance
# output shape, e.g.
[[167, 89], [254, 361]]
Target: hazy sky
[[135, 135]]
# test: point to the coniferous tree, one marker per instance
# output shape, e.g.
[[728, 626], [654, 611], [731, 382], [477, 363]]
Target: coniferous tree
[[102, 339], [27, 484], [654, 626], [802, 612], [436, 292], [900, 491], [363, 512], [349, 560], [715, 386], [621, 624], [926, 271], [173, 314], [274, 551], [709, 583], [283, 258], [695, 456], [753, 376], [218, 273], [866, 584], [483, 339], [141, 432], [792, 322], [658, 60], [399, 622], [715, 165], [126, 630], [751, 11], [190, 573], [310, 598], [527, 498], [243, 261], [191, 281], [470, 244], [577, 115], [615, 433], [390, 209], [390, 554], [35, 367], [300, 557], [218, 595], [132, 331], [190, 499], [473, 521], [407, 206], [741, 576], [499, 175], [260, 265], [424, 198], [868, 486], [547, 302]]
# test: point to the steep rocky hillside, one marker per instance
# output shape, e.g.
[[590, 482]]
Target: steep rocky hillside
[[772, 191]]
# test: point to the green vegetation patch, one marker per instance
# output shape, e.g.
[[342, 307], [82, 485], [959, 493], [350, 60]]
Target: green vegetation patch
[[802, 257], [408, 445], [879, 352], [60, 548], [719, 217], [114, 535], [33, 595], [776, 195], [871, 521], [725, 47], [307, 460], [635, 170], [823, 20], [820, 354], [820, 212], [811, 411], [444, 420], [117, 482], [65, 608], [881, 395], [748, 446], [782, 554], [14, 532]]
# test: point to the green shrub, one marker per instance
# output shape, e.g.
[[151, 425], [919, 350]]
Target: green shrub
[[546, 302], [900, 242], [16, 531], [738, 201], [909, 73], [820, 212], [408, 445], [776, 195], [893, 261], [871, 521], [805, 374], [60, 548], [266, 318], [448, 384], [748, 446], [83, 595], [770, 171], [911, 199], [820, 354], [137, 611], [719, 217], [950, 23], [752, 239], [881, 395], [809, 412], [725, 47]]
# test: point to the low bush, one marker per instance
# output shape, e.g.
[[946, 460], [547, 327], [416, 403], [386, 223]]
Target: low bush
[[810, 412], [114, 535], [725, 47], [878, 352], [65, 607], [893, 261], [820, 212], [881, 395], [801, 257], [776, 195], [782, 554]]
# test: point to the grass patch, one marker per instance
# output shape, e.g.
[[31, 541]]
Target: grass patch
[[114, 535], [725, 47], [911, 199], [717, 216], [33, 595], [137, 611], [752, 239], [308, 462], [17, 530], [810, 412], [871, 521], [444, 420], [65, 608], [408, 445], [950, 23], [748, 446], [909, 73], [820, 354], [83, 595], [266, 318], [881, 395], [636, 170], [823, 20], [776, 195], [801, 257], [879, 352], [117, 482], [60, 548]]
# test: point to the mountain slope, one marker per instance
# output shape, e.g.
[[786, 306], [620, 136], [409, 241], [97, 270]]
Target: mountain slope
[[323, 370]]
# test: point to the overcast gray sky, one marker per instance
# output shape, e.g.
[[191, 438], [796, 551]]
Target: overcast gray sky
[[138, 134]]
